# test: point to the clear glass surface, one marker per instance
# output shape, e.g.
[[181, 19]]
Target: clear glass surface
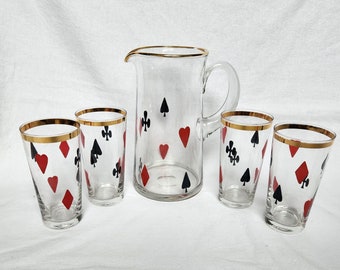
[[169, 121]]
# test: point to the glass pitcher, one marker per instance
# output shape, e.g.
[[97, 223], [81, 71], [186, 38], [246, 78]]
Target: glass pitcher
[[170, 126]]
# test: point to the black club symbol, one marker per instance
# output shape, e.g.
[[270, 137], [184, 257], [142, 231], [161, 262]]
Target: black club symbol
[[77, 158], [146, 122], [232, 153], [106, 133], [117, 170]]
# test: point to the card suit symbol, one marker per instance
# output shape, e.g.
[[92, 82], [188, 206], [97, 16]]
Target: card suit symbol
[[232, 153], [117, 170], [68, 199], [106, 133], [301, 174], [146, 122], [34, 151], [53, 182], [77, 158], [184, 134], [277, 194], [255, 139], [186, 182], [307, 206], [264, 149], [42, 161], [245, 177], [223, 133], [220, 175], [164, 107], [64, 148], [96, 151], [82, 138], [163, 150], [87, 178], [293, 150], [145, 175]]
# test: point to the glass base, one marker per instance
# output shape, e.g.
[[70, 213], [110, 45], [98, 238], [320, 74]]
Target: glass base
[[60, 225], [284, 220], [105, 195], [236, 197], [165, 183]]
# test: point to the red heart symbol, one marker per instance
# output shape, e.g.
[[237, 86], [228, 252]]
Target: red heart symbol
[[223, 133], [42, 161], [53, 181], [163, 149], [293, 150], [184, 134], [306, 207]]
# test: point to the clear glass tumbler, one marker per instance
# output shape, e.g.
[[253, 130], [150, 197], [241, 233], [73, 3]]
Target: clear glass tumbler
[[102, 147], [244, 138], [299, 156], [52, 152]]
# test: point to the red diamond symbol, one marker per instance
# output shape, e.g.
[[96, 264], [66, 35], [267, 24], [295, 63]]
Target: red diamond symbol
[[64, 148], [145, 175], [307, 206], [293, 150], [68, 199], [301, 172]]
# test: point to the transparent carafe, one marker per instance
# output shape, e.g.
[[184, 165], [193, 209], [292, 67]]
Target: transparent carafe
[[170, 126]]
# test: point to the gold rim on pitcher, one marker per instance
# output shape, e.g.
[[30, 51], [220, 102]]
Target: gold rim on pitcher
[[110, 122], [251, 127], [202, 52], [304, 144], [47, 138]]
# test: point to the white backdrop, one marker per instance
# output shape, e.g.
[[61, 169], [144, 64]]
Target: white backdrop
[[58, 56]]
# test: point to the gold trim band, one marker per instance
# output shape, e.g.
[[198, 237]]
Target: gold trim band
[[250, 127], [203, 52], [101, 123], [49, 139], [304, 144]]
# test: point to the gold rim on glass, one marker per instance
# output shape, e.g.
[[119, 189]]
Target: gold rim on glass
[[305, 144], [251, 127], [49, 139], [99, 122], [202, 52]]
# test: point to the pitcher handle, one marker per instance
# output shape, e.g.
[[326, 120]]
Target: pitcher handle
[[212, 123]]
